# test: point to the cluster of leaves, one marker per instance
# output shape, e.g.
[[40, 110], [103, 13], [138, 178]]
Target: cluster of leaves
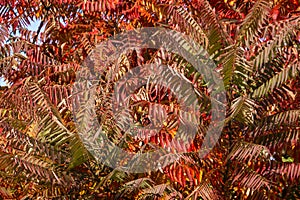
[[255, 46]]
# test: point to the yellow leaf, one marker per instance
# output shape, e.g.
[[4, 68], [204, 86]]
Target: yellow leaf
[[231, 3], [160, 16], [200, 176], [82, 192], [172, 132]]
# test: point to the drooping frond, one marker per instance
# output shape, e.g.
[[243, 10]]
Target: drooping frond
[[209, 19], [277, 80], [249, 178], [27, 153], [79, 154], [282, 33], [273, 138], [189, 24], [235, 66], [254, 21], [244, 151], [27, 143], [287, 118], [204, 191], [228, 61], [242, 110], [291, 171]]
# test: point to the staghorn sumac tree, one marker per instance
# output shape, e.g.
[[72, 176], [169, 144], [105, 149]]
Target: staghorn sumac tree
[[255, 46]]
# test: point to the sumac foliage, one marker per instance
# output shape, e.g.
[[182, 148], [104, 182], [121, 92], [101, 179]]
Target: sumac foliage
[[255, 47]]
